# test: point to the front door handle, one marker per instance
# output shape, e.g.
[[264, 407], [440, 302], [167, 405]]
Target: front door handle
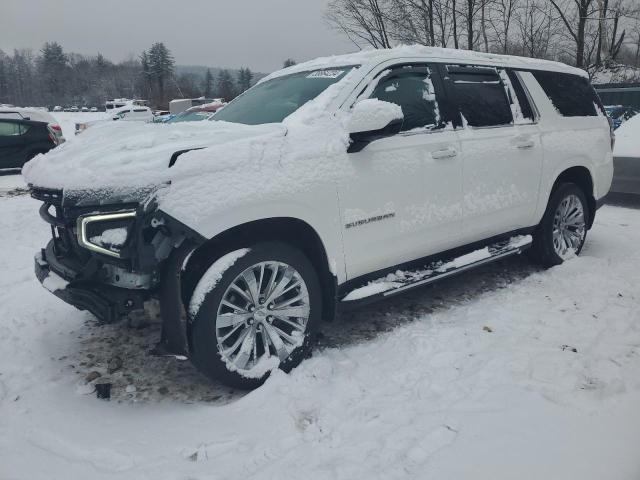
[[525, 143], [445, 153]]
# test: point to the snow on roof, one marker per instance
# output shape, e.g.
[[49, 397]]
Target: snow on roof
[[35, 114], [372, 57]]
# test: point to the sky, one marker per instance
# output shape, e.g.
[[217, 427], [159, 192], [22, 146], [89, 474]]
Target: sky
[[259, 34]]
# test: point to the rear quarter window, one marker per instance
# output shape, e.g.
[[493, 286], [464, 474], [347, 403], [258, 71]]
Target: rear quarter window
[[571, 95]]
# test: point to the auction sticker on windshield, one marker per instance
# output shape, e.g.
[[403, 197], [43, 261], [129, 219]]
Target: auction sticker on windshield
[[325, 74]]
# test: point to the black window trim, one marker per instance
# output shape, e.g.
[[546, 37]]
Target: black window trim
[[532, 103]]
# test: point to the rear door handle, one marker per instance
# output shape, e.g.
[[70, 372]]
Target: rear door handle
[[444, 153]]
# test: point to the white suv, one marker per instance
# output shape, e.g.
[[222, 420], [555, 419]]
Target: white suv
[[328, 184]]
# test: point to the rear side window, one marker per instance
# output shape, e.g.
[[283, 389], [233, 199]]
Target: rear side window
[[10, 129], [413, 90], [571, 95], [481, 96]]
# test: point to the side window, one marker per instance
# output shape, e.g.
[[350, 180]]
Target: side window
[[9, 129], [413, 90], [481, 95], [571, 95]]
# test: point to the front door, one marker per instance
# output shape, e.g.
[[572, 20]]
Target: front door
[[405, 200]]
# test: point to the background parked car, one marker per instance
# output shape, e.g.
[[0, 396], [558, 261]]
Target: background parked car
[[196, 114], [21, 140], [93, 109], [620, 114], [128, 113], [35, 115]]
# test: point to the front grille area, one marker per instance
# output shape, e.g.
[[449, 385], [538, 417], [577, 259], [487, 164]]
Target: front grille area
[[62, 221]]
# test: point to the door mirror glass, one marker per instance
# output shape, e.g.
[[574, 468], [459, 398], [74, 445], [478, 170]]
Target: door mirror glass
[[373, 115]]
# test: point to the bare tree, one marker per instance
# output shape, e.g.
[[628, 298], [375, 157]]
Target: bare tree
[[443, 11], [575, 14], [412, 21], [535, 27], [361, 21], [500, 19]]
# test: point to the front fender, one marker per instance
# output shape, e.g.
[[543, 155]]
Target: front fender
[[318, 209]]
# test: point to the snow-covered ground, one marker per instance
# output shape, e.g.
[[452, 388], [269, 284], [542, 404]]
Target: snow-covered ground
[[506, 372]]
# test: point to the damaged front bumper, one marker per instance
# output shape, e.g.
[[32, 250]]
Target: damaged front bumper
[[116, 284], [106, 302]]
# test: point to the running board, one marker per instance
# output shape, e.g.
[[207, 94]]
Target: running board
[[401, 281]]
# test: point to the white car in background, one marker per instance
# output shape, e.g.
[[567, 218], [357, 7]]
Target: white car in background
[[36, 115], [127, 113], [327, 185]]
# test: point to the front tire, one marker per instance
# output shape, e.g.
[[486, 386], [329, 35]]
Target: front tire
[[563, 229], [262, 314]]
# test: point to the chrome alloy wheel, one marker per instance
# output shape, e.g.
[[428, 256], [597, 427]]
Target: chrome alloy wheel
[[569, 227], [263, 314]]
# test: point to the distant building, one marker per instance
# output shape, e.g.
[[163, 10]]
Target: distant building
[[121, 102]]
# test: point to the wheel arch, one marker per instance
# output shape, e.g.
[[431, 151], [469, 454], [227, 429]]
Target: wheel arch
[[581, 176], [289, 230]]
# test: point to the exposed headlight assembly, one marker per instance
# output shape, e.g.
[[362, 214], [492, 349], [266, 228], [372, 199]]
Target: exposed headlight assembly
[[105, 233]]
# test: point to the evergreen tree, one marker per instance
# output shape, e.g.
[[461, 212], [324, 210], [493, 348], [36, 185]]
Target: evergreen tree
[[289, 62], [245, 76], [145, 73], [226, 88], [207, 86], [160, 64], [53, 65]]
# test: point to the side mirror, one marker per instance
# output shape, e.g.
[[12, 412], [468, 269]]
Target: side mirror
[[372, 119]]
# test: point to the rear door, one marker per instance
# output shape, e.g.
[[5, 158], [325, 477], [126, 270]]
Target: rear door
[[406, 200], [501, 150], [12, 143]]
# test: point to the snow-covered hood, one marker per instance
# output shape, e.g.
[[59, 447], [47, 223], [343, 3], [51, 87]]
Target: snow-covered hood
[[135, 154], [226, 165]]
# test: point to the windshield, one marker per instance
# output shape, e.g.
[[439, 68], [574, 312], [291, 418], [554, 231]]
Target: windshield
[[274, 100], [189, 117]]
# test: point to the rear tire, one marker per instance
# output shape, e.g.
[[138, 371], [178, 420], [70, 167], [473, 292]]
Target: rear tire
[[240, 345], [563, 229]]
